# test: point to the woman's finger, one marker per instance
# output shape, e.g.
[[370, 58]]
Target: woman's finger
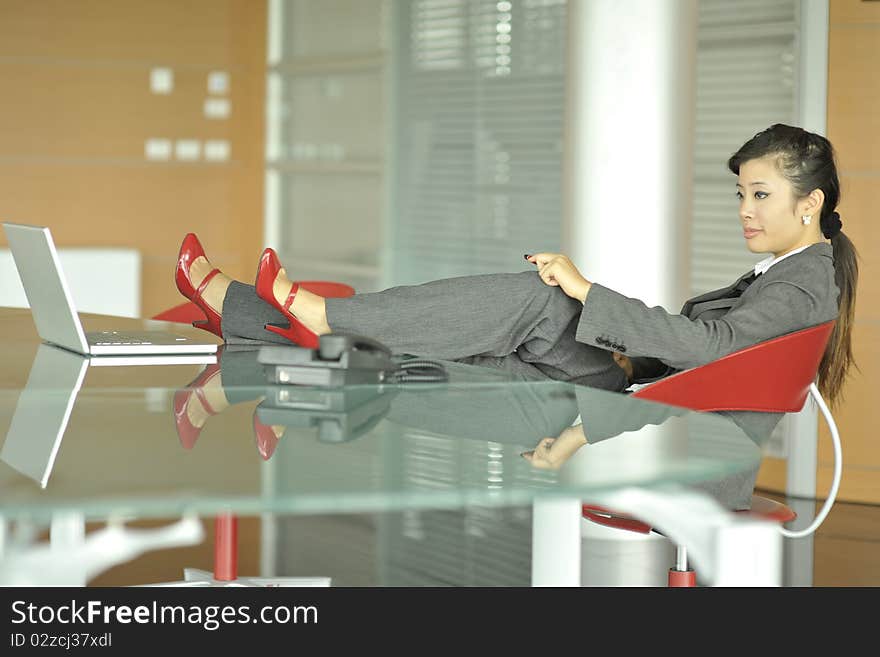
[[542, 258]]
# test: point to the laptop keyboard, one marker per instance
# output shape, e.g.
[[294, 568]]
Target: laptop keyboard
[[122, 338], [118, 342]]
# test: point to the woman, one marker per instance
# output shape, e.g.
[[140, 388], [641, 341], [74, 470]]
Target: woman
[[560, 325]]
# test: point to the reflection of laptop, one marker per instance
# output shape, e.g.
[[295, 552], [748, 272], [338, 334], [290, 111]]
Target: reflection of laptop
[[46, 402], [55, 315], [42, 412]]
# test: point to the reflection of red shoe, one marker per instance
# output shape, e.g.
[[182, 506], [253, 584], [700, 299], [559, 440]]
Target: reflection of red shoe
[[265, 438], [191, 249], [267, 272], [186, 430]]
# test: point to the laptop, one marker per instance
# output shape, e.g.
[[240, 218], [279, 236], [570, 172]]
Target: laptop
[[58, 322]]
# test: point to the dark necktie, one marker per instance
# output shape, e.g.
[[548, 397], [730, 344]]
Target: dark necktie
[[744, 283]]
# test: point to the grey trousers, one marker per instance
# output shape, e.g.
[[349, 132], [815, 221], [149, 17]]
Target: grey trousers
[[512, 322]]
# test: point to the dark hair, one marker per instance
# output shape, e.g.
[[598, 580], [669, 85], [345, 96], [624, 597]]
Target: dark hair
[[807, 161]]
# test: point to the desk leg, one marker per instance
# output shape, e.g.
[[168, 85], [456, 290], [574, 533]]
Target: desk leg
[[556, 542]]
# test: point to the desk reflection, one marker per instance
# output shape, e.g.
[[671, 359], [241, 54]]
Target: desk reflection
[[542, 416], [539, 419]]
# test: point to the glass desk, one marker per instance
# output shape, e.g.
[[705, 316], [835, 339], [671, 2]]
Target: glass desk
[[85, 442]]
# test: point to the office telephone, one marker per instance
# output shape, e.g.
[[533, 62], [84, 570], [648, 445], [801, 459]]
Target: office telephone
[[341, 359], [345, 359]]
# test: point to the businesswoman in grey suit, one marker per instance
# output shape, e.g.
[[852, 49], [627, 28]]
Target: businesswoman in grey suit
[[555, 323]]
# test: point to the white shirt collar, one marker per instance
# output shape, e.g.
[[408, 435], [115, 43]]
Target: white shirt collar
[[768, 262]]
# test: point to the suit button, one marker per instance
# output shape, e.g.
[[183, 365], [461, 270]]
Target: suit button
[[615, 346]]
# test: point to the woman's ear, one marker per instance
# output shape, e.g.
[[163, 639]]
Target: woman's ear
[[811, 204]]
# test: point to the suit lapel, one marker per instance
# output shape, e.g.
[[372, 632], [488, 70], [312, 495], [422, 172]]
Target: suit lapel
[[714, 295]]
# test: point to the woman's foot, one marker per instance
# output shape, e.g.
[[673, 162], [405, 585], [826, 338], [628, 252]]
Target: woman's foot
[[201, 283], [266, 436], [304, 311], [307, 307], [197, 402]]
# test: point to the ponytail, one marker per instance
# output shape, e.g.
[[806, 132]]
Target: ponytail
[[838, 357]]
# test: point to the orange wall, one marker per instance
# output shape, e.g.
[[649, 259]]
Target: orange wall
[[77, 109]]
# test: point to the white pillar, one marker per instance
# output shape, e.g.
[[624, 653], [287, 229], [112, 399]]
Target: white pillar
[[801, 429], [629, 138]]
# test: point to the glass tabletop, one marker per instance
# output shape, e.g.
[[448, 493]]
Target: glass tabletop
[[160, 441]]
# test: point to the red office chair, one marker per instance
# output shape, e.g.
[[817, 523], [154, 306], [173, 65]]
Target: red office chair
[[226, 525], [773, 376]]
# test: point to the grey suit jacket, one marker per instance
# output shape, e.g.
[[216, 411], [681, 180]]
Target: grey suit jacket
[[794, 294]]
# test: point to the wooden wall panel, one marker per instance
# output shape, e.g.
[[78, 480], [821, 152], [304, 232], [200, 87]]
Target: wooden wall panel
[[78, 110], [857, 420], [854, 94], [858, 211], [854, 11], [853, 127]]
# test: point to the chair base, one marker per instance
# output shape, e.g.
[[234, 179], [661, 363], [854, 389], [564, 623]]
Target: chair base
[[682, 578]]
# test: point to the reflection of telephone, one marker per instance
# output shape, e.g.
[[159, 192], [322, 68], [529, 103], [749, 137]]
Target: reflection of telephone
[[341, 359], [339, 415]]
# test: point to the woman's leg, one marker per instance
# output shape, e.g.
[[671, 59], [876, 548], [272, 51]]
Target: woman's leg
[[453, 318], [508, 321], [487, 319]]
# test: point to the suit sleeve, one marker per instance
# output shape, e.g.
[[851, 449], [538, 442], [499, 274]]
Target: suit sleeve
[[618, 323], [605, 414]]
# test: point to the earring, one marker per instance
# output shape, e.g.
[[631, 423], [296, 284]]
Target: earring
[[806, 219]]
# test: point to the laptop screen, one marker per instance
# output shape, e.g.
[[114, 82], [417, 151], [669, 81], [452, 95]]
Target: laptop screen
[[47, 292]]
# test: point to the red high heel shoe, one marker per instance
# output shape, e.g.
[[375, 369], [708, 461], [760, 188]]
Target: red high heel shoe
[[191, 249], [186, 430], [265, 438], [266, 273]]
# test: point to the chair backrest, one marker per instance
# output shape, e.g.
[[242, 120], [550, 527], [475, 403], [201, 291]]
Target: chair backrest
[[771, 376], [185, 313]]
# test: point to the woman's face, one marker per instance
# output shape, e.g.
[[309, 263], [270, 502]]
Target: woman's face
[[768, 209]]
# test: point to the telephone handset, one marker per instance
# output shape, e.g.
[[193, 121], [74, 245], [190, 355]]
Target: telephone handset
[[336, 346], [341, 359]]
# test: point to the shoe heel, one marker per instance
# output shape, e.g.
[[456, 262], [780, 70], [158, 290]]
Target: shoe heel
[[210, 326], [265, 438], [296, 333]]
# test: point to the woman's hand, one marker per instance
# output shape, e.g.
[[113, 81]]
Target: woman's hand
[[556, 269], [552, 453], [625, 363]]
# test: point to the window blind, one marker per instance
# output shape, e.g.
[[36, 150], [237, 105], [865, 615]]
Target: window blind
[[746, 81], [479, 100]]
